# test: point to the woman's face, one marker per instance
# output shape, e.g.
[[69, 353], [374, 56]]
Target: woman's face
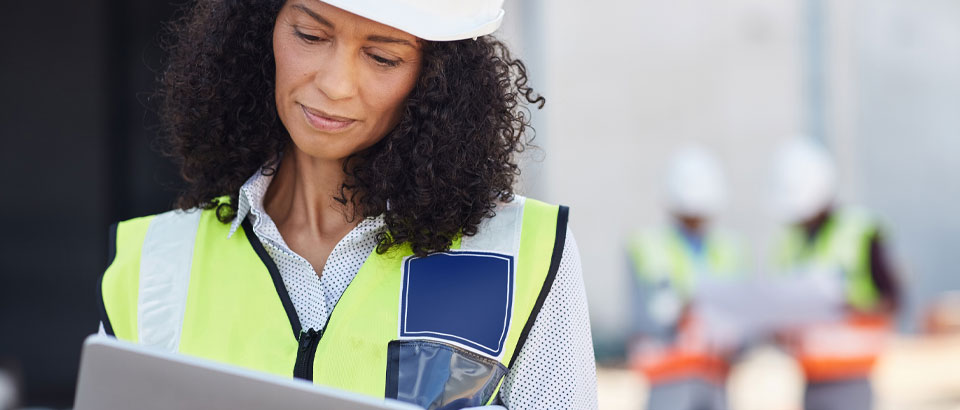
[[341, 79]]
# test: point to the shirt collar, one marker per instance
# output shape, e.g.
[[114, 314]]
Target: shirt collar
[[250, 202], [250, 199]]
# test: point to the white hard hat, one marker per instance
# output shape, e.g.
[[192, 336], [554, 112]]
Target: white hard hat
[[804, 179], [433, 20], [694, 183]]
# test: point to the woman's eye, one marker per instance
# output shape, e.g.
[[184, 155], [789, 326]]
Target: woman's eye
[[384, 61], [307, 37]]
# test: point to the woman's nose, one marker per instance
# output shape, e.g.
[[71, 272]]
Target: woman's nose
[[337, 78]]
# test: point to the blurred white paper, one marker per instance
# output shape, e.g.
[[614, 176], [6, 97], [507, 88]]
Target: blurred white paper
[[759, 306]]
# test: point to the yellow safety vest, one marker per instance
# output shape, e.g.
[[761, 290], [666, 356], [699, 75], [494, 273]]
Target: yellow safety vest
[[438, 331], [664, 255], [842, 245]]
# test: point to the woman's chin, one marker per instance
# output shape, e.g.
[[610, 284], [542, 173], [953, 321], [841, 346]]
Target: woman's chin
[[323, 147]]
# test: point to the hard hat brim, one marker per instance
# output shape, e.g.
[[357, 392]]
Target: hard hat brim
[[424, 27]]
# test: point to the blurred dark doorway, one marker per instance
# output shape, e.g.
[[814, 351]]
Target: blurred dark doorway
[[77, 155]]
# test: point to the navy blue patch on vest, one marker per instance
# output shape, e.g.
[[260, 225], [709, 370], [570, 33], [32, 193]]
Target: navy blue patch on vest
[[463, 297]]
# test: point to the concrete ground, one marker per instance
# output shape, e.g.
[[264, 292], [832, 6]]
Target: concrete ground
[[916, 373]]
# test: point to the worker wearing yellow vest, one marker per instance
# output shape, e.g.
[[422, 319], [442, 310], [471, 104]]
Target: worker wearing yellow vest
[[180, 281], [685, 366], [845, 245], [349, 216]]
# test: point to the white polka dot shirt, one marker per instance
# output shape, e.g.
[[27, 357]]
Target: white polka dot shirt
[[555, 368]]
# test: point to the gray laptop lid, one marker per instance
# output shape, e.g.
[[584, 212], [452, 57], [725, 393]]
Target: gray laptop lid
[[118, 375]]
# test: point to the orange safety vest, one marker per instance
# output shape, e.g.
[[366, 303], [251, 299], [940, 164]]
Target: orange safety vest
[[691, 356], [841, 350]]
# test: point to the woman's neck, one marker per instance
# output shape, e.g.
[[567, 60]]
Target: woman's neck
[[301, 199]]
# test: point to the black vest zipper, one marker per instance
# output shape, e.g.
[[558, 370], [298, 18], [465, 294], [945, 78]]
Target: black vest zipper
[[309, 340]]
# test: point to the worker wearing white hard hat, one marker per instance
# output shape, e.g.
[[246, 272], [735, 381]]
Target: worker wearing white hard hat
[[686, 370], [348, 214], [843, 244]]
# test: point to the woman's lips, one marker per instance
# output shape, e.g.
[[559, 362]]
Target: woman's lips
[[322, 121]]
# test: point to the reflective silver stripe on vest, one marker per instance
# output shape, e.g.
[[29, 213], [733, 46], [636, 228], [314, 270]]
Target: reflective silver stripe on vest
[[500, 234], [165, 263]]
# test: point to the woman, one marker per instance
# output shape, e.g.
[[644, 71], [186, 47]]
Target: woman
[[357, 155]]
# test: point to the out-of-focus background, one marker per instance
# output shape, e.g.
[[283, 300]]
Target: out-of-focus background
[[627, 83], [877, 82]]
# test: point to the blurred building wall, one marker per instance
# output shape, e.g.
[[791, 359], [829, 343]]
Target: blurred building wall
[[629, 81], [896, 106], [54, 163], [77, 133]]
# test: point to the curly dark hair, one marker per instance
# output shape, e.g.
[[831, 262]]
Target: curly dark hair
[[442, 169]]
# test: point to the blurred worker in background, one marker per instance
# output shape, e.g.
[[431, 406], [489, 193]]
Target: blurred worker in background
[[845, 245], [685, 366]]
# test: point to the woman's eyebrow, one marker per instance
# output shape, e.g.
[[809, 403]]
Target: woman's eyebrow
[[313, 15], [393, 40]]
